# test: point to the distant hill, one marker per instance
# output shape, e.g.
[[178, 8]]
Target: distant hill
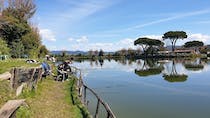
[[75, 52], [170, 47], [69, 52]]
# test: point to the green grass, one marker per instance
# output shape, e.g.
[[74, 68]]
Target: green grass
[[23, 112], [50, 99], [6, 92], [9, 64], [53, 99], [74, 98]]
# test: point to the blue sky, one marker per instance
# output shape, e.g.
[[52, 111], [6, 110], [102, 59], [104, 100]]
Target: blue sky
[[114, 24]]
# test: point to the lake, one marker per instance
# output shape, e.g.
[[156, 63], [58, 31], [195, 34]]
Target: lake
[[175, 88]]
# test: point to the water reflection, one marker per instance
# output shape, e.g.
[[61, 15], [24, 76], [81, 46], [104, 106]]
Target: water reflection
[[101, 61], [174, 76], [194, 65], [150, 67], [171, 70], [150, 81]]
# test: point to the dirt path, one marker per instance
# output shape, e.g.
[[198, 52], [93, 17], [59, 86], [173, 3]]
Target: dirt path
[[52, 100]]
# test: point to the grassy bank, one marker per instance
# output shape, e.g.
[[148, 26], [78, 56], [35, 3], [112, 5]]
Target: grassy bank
[[6, 92], [52, 99], [8, 64]]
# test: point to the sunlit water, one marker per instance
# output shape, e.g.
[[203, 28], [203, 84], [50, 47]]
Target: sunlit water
[[132, 91]]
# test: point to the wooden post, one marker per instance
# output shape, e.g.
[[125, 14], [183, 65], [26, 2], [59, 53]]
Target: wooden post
[[85, 89], [40, 74], [108, 115], [14, 77], [80, 92], [32, 79], [97, 109]]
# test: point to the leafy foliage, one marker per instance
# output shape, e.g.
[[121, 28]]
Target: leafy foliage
[[194, 67], [148, 43], [101, 53], [149, 72], [31, 42], [42, 51], [21, 9], [15, 29], [193, 44], [173, 36], [4, 50], [17, 49], [175, 78]]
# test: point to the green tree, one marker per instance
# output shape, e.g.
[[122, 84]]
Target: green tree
[[101, 53], [13, 30], [21, 9], [42, 51], [31, 42], [122, 52], [96, 52], [4, 50], [131, 52], [17, 49], [147, 43], [90, 53], [15, 18], [173, 36], [194, 44]]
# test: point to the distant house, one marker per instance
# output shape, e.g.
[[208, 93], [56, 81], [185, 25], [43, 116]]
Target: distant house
[[208, 47], [177, 52], [184, 52], [208, 54]]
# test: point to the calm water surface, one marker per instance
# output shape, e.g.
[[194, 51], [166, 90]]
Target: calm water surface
[[150, 88]]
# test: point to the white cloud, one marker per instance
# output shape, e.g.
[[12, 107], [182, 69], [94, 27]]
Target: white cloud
[[198, 37], [47, 34], [70, 39], [85, 45], [83, 39], [191, 37], [153, 36]]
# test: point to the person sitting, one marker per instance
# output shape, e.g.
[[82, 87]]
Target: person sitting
[[46, 69], [63, 70]]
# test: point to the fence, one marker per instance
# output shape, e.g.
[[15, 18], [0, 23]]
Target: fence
[[28, 76], [82, 91]]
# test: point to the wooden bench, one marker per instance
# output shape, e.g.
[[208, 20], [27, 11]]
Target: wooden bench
[[10, 107], [5, 76]]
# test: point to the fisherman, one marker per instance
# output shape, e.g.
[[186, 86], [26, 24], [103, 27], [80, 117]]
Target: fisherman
[[46, 68], [63, 70]]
